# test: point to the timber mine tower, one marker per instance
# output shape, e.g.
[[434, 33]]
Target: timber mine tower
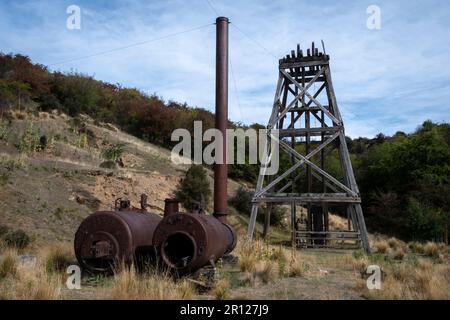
[[310, 127]]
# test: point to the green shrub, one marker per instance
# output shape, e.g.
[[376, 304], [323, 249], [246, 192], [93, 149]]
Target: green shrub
[[3, 230], [18, 239], [424, 221], [3, 131], [29, 141], [12, 164], [113, 153], [43, 142], [82, 141], [4, 178], [242, 201], [193, 190], [277, 215]]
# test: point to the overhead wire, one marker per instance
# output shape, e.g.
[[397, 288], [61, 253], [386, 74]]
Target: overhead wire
[[130, 45], [254, 41]]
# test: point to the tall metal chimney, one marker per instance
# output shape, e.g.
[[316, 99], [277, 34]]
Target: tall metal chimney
[[220, 169]]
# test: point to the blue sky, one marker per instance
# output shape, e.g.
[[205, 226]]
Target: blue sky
[[385, 80]]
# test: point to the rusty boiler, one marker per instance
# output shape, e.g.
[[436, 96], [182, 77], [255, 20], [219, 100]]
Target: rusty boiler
[[106, 238], [189, 241], [181, 242]]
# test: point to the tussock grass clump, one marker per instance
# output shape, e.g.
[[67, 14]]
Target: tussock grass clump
[[398, 254], [247, 263], [416, 247], [267, 271], [360, 264], [31, 282], [424, 264], [248, 253], [127, 284], [337, 223], [381, 246], [278, 253], [248, 279], [221, 290], [8, 265], [17, 239], [57, 257], [39, 285], [431, 249], [422, 280], [19, 115], [393, 242], [297, 268]]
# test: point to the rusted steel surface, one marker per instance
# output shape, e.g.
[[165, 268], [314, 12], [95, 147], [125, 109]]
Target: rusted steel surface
[[107, 237], [184, 242], [189, 241], [171, 206], [220, 169]]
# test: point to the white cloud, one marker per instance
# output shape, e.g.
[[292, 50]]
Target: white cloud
[[386, 80]]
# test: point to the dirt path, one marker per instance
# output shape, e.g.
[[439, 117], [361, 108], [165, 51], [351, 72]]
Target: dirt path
[[335, 285]]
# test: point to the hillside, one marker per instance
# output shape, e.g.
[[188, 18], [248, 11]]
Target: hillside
[[48, 191], [48, 185], [404, 179]]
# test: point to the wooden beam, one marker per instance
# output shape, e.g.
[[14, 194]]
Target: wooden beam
[[307, 197], [302, 91], [315, 167], [315, 62], [331, 116], [303, 131], [293, 168]]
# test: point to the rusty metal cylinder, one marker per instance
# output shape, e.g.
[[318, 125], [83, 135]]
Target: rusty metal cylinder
[[220, 169], [171, 206], [189, 241], [107, 237]]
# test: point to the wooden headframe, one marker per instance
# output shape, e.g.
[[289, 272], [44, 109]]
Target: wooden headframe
[[309, 126]]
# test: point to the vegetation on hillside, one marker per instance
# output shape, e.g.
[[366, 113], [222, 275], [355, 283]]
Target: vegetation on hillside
[[404, 179], [193, 190], [405, 182]]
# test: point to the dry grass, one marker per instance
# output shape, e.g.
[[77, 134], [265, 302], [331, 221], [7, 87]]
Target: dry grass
[[278, 254], [127, 284], [261, 262], [360, 264], [393, 242], [19, 115], [248, 255], [268, 271], [408, 279], [8, 266], [337, 222], [297, 268], [57, 257], [248, 279], [431, 249], [424, 281], [247, 263], [416, 247], [222, 289], [381, 246], [398, 254], [30, 282]]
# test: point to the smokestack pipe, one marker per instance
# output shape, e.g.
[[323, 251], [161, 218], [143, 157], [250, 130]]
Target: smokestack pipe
[[171, 206], [220, 169], [189, 241]]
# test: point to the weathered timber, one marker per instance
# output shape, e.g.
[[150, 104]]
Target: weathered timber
[[307, 114]]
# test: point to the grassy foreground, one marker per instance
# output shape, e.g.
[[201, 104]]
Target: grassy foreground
[[409, 271]]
